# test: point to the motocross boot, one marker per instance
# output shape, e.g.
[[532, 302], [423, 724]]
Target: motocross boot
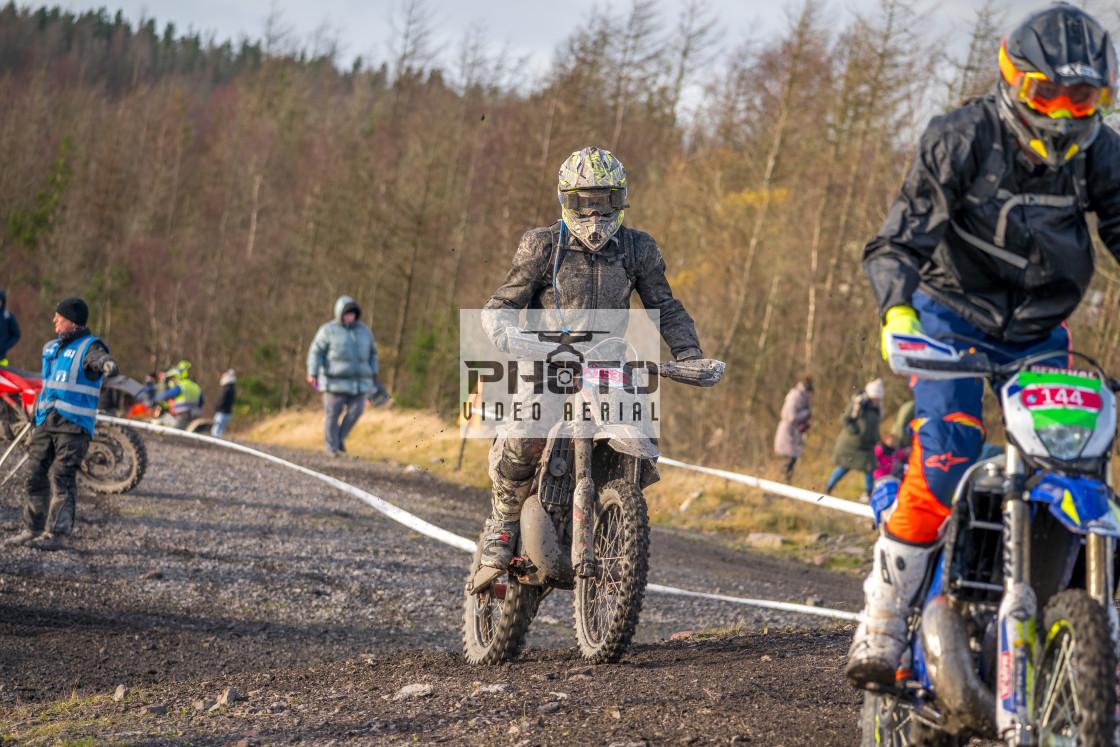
[[883, 633], [501, 528], [498, 543]]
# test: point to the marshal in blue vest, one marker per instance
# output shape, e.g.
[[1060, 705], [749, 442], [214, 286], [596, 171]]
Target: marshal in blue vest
[[65, 386]]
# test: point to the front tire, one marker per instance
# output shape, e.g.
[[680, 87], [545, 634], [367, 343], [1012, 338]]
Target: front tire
[[1074, 694], [607, 606], [496, 619], [115, 461]]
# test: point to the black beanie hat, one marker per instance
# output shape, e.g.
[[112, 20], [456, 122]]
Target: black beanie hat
[[74, 309], [352, 306]]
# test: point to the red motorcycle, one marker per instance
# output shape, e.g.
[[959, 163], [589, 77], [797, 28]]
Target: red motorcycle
[[116, 458]]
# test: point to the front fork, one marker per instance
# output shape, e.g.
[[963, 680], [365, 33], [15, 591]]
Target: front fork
[[1017, 611], [583, 513]]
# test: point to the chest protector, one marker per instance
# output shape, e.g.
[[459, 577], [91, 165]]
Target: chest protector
[[65, 386], [1020, 246]]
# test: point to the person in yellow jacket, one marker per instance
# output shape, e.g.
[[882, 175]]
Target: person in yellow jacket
[[184, 394]]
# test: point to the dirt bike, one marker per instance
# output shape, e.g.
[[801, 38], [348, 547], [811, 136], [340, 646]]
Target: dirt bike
[[584, 527], [163, 413], [1016, 639], [116, 458]]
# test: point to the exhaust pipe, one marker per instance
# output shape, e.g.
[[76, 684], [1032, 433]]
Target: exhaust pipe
[[967, 703]]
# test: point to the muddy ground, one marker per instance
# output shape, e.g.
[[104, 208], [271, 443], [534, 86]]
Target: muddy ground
[[221, 570]]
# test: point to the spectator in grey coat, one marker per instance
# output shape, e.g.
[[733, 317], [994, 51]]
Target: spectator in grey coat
[[789, 439], [342, 364]]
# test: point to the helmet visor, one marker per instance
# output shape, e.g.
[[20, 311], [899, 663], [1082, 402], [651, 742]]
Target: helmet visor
[[587, 202]]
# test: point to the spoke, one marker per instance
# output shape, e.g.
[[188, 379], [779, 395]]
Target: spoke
[[1061, 705]]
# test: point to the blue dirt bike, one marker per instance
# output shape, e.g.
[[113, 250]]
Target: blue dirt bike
[[1016, 635]]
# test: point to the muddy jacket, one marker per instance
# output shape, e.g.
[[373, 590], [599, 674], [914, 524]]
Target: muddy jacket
[[603, 279], [343, 357], [998, 241]]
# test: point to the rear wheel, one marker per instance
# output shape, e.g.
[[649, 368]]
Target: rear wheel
[[607, 606], [884, 722], [1075, 681], [496, 619], [115, 461]]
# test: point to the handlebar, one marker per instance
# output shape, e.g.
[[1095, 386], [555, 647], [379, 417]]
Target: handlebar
[[933, 358]]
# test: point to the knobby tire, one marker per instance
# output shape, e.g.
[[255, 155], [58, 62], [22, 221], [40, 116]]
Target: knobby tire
[[494, 630], [607, 607], [1075, 678], [121, 445]]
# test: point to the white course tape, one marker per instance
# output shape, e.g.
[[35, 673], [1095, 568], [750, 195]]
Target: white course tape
[[804, 609], [394, 513], [800, 494], [448, 538]]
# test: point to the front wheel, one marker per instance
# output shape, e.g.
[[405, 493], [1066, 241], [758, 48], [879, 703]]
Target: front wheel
[[607, 606], [496, 619], [115, 461], [1074, 695]]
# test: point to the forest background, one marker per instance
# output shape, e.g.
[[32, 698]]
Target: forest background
[[212, 200]]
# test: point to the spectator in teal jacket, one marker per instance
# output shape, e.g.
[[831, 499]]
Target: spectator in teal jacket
[[342, 364]]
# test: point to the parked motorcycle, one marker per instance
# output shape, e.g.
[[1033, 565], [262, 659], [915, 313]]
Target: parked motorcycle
[[116, 459], [1016, 639], [584, 528], [163, 413]]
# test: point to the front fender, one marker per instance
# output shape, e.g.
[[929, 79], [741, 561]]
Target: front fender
[[1082, 505], [626, 439]]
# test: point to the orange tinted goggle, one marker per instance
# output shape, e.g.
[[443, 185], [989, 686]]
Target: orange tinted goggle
[[1053, 99]]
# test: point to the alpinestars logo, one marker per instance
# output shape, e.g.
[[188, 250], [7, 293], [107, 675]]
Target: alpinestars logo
[[944, 461]]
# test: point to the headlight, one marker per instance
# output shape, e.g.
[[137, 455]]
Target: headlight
[[1064, 441]]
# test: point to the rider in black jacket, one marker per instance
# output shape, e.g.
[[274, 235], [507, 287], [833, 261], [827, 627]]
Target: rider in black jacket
[[587, 260], [988, 239]]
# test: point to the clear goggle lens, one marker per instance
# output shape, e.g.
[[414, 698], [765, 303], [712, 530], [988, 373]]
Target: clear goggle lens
[[585, 202]]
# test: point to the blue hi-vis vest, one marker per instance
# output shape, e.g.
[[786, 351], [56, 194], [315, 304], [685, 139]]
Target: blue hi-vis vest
[[65, 386]]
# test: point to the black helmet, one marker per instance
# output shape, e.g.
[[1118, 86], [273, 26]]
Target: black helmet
[[1058, 74]]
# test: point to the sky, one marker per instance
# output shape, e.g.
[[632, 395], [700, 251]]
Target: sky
[[529, 29]]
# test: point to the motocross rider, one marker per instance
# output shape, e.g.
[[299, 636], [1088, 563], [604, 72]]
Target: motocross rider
[[184, 393], [988, 239], [586, 260]]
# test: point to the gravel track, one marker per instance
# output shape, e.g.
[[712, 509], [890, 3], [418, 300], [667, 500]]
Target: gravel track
[[221, 569]]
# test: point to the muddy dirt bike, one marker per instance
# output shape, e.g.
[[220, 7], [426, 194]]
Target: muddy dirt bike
[[1016, 639], [116, 458], [584, 527]]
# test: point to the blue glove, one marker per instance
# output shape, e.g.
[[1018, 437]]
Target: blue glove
[[883, 499]]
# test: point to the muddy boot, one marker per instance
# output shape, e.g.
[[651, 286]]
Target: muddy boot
[[24, 537], [498, 543], [883, 633], [48, 541]]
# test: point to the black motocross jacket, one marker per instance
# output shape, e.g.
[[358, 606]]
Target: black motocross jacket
[[603, 279], [1000, 242]]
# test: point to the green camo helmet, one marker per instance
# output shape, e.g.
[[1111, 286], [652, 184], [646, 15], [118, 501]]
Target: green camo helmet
[[592, 192]]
